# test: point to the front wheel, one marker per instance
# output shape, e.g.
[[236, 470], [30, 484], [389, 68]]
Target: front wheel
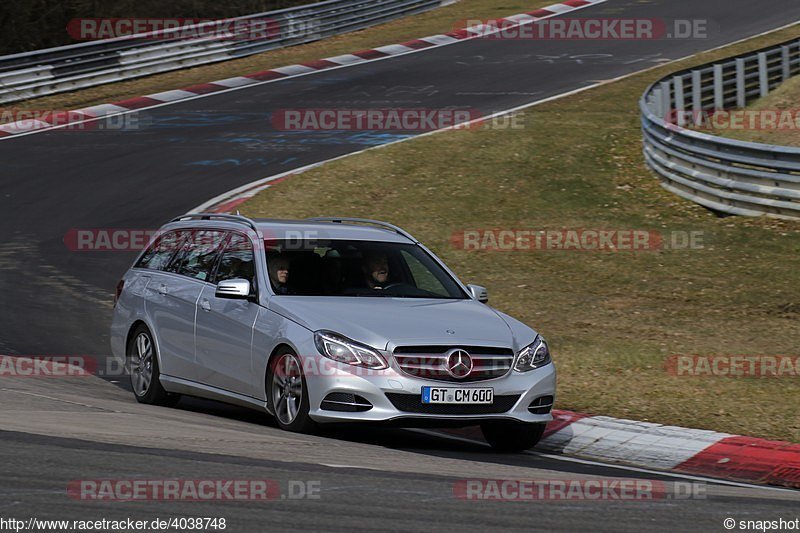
[[288, 394], [512, 436]]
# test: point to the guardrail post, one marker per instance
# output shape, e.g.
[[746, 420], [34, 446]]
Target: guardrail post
[[795, 66], [680, 104], [741, 95], [666, 99], [719, 96], [763, 77], [785, 63], [697, 98], [657, 103]]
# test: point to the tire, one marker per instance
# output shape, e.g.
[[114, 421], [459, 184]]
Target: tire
[[287, 392], [512, 436], [142, 360]]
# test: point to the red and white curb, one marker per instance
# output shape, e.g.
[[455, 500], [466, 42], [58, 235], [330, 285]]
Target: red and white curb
[[228, 202], [673, 449], [266, 76]]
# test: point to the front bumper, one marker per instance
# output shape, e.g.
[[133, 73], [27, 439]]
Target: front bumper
[[513, 393]]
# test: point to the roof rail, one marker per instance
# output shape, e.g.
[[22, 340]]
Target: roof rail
[[385, 225], [218, 216]]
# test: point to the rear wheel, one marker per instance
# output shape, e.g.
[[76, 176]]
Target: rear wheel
[[288, 394], [144, 372], [512, 436]]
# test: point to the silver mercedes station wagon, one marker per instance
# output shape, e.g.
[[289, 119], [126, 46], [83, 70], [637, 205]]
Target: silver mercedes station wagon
[[326, 320]]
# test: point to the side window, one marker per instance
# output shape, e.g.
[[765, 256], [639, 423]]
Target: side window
[[199, 254], [423, 277], [237, 261], [160, 252]]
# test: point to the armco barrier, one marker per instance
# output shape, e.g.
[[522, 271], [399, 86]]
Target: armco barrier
[[66, 68], [725, 175]]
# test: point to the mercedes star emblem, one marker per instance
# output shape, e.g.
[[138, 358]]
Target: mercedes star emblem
[[459, 363]]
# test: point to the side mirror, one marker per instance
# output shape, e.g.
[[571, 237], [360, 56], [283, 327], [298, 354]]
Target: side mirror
[[233, 288], [479, 293]]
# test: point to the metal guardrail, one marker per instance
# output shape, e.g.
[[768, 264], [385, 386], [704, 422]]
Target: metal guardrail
[[725, 175], [66, 68]]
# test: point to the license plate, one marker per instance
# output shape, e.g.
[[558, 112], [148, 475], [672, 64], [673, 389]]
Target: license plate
[[457, 395]]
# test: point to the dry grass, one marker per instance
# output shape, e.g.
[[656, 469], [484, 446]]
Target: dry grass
[[784, 98], [612, 318]]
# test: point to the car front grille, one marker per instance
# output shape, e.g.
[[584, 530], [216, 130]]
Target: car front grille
[[428, 362], [412, 403]]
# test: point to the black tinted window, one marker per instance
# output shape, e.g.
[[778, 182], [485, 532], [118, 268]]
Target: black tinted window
[[323, 267]]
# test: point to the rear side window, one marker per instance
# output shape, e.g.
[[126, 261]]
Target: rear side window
[[158, 255], [198, 254]]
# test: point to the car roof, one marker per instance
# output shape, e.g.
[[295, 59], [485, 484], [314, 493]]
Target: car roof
[[279, 229]]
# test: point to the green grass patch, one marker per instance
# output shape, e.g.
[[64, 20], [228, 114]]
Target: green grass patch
[[612, 318]]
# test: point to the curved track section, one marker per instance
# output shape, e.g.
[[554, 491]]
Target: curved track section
[[58, 302], [370, 479]]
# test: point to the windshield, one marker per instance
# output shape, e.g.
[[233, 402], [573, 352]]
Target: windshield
[[356, 268]]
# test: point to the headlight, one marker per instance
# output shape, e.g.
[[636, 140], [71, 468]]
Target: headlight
[[344, 350], [533, 356]]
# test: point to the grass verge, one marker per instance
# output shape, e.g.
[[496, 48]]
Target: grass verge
[[785, 98], [433, 22], [612, 318]]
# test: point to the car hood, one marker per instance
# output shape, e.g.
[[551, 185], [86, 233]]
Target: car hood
[[378, 322]]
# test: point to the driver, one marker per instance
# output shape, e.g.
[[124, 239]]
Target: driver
[[376, 270], [279, 274]]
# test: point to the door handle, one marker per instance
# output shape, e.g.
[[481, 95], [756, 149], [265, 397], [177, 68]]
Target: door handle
[[205, 305], [162, 289]]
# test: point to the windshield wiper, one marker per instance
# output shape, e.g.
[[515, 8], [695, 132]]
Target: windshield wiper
[[372, 294]]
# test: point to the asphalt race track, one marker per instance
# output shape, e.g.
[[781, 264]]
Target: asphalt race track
[[367, 479], [58, 302], [193, 151]]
